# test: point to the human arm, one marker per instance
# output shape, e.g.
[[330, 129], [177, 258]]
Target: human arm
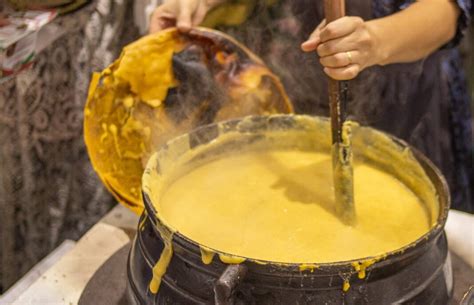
[[349, 45]]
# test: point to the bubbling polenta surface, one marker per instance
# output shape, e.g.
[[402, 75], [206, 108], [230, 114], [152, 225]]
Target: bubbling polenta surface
[[278, 205]]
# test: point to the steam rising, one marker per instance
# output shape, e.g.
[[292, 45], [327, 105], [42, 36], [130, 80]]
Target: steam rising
[[276, 32]]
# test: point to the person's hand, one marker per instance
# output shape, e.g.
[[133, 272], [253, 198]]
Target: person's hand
[[345, 46], [183, 14]]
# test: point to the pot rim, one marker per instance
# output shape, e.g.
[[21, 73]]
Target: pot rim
[[436, 178]]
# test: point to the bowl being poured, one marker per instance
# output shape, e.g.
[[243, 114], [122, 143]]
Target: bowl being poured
[[164, 85]]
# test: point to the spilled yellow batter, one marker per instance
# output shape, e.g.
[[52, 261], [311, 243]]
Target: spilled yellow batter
[[279, 206]]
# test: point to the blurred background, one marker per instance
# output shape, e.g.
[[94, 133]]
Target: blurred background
[[48, 190]]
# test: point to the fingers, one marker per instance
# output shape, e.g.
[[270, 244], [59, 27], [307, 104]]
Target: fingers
[[184, 14], [340, 60], [338, 45], [342, 66], [345, 48], [313, 41], [184, 18], [162, 18], [200, 14], [340, 28], [344, 73]]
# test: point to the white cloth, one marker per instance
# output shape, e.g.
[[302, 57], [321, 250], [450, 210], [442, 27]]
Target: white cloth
[[460, 231]]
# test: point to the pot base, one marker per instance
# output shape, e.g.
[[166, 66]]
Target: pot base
[[119, 293], [424, 279]]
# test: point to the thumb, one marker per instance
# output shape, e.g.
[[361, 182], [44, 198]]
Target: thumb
[[314, 39]]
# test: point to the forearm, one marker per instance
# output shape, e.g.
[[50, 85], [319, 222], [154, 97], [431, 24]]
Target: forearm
[[415, 32]]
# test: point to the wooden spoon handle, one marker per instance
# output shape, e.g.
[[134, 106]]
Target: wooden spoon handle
[[341, 150], [334, 9]]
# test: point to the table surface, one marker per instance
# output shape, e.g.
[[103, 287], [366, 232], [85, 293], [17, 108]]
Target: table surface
[[65, 280]]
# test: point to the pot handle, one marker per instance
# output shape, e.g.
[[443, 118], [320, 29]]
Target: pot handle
[[225, 286], [468, 298]]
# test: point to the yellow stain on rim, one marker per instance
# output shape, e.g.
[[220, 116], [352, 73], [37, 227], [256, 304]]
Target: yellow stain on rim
[[159, 269], [361, 267], [207, 255], [230, 259]]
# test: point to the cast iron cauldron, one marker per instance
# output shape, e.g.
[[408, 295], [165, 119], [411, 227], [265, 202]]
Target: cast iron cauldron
[[418, 274]]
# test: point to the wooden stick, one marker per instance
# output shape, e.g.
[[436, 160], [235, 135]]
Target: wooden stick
[[341, 147], [335, 9]]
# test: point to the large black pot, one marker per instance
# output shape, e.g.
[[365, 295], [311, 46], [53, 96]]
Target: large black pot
[[418, 274]]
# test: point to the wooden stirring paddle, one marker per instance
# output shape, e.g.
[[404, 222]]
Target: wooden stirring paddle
[[341, 146]]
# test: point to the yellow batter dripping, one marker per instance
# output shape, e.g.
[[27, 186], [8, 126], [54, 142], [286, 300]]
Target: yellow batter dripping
[[279, 206]]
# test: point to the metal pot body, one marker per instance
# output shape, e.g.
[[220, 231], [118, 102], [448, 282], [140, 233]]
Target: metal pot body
[[418, 278], [419, 274]]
